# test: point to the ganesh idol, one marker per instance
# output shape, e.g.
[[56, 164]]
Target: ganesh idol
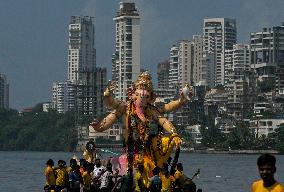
[[149, 136]]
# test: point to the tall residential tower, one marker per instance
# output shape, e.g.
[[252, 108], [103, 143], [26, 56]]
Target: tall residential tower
[[267, 55], [4, 92], [82, 65], [126, 60], [219, 34], [81, 48]]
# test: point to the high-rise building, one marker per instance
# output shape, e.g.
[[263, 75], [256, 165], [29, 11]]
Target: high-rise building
[[4, 92], [101, 83], [237, 80], [173, 71], [185, 62], [208, 70], [219, 34], [163, 74], [81, 48], [267, 54], [59, 96], [63, 96], [237, 62], [81, 66], [198, 65], [126, 60]]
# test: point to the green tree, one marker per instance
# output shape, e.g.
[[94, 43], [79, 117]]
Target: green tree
[[38, 131], [278, 138], [267, 85], [240, 137]]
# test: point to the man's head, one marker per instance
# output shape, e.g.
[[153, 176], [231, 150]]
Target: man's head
[[98, 162], [60, 163], [179, 167], [266, 166], [50, 162], [109, 167], [156, 171], [73, 163]]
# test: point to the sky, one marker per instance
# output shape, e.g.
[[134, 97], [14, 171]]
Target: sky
[[34, 35]]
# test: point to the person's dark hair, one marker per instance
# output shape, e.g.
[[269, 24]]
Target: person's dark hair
[[109, 167], [165, 167], [90, 167], [60, 163], [50, 162], [73, 162], [179, 166], [156, 171], [266, 159], [84, 164]]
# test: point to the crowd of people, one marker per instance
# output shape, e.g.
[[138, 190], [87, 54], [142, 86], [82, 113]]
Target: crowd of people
[[82, 176]]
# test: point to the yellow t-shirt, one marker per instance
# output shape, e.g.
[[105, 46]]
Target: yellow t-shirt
[[87, 179], [167, 183], [257, 186], [61, 177], [50, 176]]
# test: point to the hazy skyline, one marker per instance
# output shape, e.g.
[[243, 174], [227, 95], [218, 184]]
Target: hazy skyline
[[34, 35]]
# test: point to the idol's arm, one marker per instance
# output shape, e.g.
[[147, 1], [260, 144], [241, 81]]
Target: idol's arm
[[168, 126], [174, 105], [109, 98], [109, 120]]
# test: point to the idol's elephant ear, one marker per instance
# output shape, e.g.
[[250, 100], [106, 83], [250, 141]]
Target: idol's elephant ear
[[162, 147]]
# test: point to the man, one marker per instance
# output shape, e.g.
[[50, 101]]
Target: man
[[179, 178], [86, 176], [97, 173], [61, 176], [155, 181], [106, 179], [167, 180], [75, 178], [50, 175], [266, 167]]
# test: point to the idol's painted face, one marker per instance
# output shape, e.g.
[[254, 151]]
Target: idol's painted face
[[143, 97]]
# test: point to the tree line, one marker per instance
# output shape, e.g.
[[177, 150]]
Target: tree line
[[37, 131]]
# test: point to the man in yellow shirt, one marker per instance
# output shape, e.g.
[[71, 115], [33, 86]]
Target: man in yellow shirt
[[266, 167], [167, 180], [61, 176], [49, 175], [86, 176], [179, 178]]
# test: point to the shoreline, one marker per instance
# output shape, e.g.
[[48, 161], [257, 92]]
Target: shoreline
[[230, 152]]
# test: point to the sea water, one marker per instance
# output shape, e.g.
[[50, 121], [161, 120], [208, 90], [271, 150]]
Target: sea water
[[24, 171]]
